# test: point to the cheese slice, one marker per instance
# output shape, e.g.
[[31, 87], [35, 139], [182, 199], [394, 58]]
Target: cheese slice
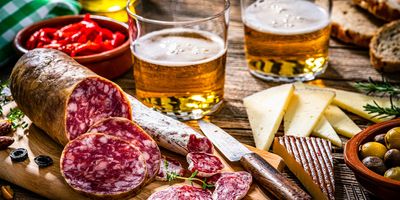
[[325, 130], [354, 102], [305, 110], [265, 110], [341, 122]]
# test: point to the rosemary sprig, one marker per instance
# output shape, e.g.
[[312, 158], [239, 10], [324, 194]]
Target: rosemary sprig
[[173, 176], [16, 118]]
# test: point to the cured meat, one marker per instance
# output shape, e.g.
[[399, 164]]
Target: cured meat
[[169, 165], [205, 164], [103, 166], [213, 179], [232, 186], [184, 192], [167, 132], [62, 97], [131, 132]]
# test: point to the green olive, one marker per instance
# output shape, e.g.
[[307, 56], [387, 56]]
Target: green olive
[[380, 138], [392, 138], [392, 158], [373, 149], [375, 164], [393, 173]]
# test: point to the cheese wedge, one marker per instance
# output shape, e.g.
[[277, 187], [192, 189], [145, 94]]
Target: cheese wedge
[[341, 122], [265, 110], [310, 160], [324, 130], [354, 102], [305, 110]]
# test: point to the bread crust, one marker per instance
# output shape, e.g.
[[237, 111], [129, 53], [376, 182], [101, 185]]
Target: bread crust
[[380, 8], [380, 62]]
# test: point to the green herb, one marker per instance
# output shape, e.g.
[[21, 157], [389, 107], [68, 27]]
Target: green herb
[[16, 118], [173, 176], [382, 88]]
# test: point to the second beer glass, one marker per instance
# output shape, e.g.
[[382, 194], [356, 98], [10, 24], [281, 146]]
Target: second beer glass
[[286, 40], [179, 54]]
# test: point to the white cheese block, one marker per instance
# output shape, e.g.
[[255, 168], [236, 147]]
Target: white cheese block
[[305, 110], [265, 110], [354, 102], [341, 122], [324, 130]]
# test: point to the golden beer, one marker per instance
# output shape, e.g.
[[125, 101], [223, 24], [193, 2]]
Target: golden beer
[[180, 71], [286, 40]]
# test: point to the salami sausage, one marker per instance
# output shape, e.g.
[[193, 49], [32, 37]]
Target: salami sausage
[[103, 166], [169, 165], [167, 132], [62, 97], [232, 186], [205, 164], [184, 192], [213, 179], [131, 132]]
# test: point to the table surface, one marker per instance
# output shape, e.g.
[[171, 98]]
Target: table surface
[[348, 64]]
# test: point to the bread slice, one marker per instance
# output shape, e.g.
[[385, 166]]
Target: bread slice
[[353, 25], [385, 48], [387, 10]]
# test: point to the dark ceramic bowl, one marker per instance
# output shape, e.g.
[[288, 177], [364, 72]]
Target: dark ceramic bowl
[[380, 186], [109, 64]]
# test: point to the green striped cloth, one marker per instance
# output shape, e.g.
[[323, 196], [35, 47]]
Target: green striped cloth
[[17, 14]]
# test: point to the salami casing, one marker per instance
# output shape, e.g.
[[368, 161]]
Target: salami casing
[[205, 164], [167, 132], [184, 192], [131, 132], [169, 165], [61, 96], [103, 166], [232, 186]]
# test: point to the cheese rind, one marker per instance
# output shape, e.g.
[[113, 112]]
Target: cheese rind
[[265, 110], [325, 130], [305, 110], [341, 122]]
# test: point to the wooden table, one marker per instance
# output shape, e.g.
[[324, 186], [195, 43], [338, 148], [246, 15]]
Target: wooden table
[[347, 65]]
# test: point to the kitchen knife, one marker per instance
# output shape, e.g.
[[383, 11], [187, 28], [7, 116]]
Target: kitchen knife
[[268, 177]]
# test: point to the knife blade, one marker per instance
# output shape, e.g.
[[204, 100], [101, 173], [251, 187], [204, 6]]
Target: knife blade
[[268, 177]]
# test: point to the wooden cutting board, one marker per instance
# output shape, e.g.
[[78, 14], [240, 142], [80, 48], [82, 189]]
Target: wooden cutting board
[[49, 183]]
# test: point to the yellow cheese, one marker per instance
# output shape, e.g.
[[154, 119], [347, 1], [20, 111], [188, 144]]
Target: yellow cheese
[[305, 110], [265, 110], [325, 130], [341, 122]]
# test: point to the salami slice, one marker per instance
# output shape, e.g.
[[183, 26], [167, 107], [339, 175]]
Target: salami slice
[[169, 165], [184, 192], [232, 186], [62, 97], [205, 164], [131, 132], [213, 179], [167, 132], [103, 166]]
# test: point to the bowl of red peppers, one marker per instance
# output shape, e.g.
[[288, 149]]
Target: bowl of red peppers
[[97, 42]]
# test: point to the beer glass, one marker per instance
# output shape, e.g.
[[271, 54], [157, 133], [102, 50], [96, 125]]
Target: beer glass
[[286, 40], [179, 54]]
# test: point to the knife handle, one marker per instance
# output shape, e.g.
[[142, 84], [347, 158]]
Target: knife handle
[[271, 179]]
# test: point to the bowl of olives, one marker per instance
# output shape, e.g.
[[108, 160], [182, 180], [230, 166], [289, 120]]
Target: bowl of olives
[[374, 157]]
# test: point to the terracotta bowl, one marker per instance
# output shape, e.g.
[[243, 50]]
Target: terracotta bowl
[[380, 186], [109, 64]]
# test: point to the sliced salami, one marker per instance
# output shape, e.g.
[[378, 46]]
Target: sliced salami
[[185, 192], [131, 132], [205, 164], [169, 165], [213, 179], [232, 186], [103, 166], [62, 97], [167, 132]]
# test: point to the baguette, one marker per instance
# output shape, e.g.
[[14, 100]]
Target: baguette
[[387, 10]]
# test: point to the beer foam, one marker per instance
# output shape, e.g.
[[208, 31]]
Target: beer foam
[[177, 47], [286, 17]]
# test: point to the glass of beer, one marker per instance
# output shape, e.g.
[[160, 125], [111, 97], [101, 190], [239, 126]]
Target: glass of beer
[[179, 54], [286, 40]]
